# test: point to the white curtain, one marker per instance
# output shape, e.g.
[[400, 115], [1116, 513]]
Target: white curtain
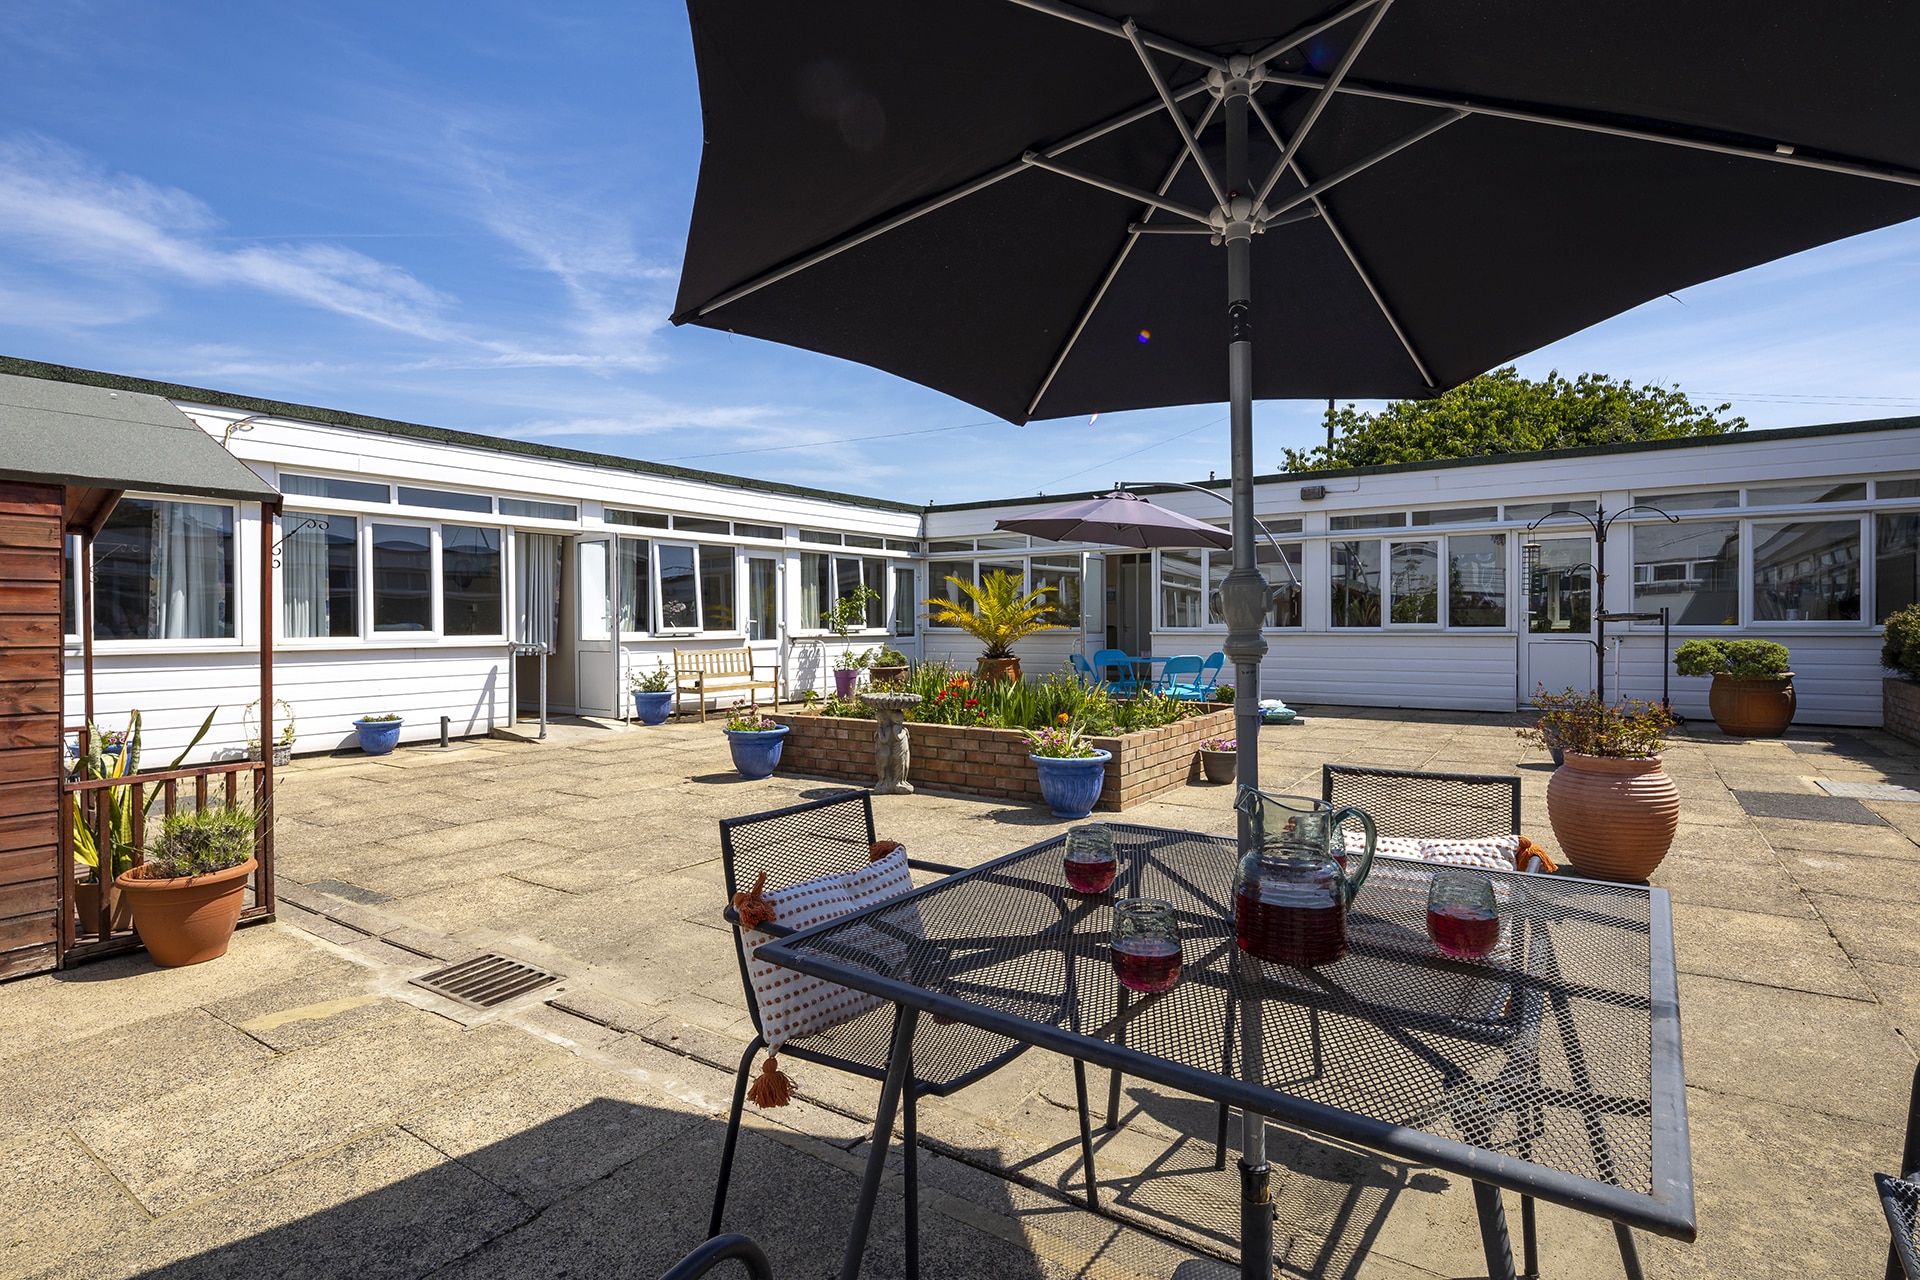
[[303, 576], [536, 575], [190, 570]]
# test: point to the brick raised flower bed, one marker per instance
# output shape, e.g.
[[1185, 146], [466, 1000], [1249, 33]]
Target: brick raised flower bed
[[1900, 707], [993, 762]]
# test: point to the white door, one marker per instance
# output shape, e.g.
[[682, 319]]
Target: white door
[[1556, 640], [1093, 606], [596, 665]]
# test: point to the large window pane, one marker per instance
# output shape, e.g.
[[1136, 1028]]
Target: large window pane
[[679, 588], [470, 580], [1283, 581], [1559, 585], [402, 578], [636, 585], [1781, 495], [1414, 578], [1062, 574], [1181, 602], [763, 598], [590, 574], [939, 588], [1356, 583], [816, 589], [1477, 580], [1689, 568], [1219, 565], [319, 576], [1539, 510], [873, 571], [1807, 571], [164, 571], [1896, 562], [904, 604], [1699, 500], [719, 605]]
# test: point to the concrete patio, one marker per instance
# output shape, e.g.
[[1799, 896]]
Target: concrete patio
[[299, 1109]]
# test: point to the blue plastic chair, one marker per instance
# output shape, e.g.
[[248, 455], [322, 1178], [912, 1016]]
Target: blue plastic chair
[[1109, 658], [1083, 669], [1180, 677], [1200, 689]]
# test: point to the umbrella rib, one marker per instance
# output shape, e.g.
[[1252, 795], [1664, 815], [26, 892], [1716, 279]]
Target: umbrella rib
[[1305, 34], [1532, 114], [1039, 161], [1353, 258], [895, 221], [1086, 18], [1364, 163], [1132, 31], [1134, 231], [1324, 97]]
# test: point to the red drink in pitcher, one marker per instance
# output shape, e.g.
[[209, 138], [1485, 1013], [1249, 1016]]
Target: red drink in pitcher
[[1297, 928], [1149, 965]]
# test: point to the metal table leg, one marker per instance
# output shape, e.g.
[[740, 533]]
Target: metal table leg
[[1086, 1135], [1494, 1240], [899, 1057], [1629, 1251]]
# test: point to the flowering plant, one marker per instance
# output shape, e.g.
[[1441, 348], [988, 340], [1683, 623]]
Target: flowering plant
[[752, 722], [1059, 744], [1585, 725], [1220, 744], [654, 681]]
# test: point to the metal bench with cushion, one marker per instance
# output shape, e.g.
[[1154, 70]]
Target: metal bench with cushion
[[706, 672]]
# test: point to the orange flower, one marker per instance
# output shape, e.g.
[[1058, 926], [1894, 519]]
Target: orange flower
[[1062, 718]]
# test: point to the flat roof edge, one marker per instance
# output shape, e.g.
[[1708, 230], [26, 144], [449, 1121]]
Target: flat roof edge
[[1861, 427], [444, 435]]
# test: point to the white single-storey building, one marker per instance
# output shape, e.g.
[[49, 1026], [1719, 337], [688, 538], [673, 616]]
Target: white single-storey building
[[412, 560]]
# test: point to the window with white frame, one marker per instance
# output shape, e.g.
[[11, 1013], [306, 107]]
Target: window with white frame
[[164, 571], [1477, 580], [402, 577], [719, 600], [471, 581], [1354, 582], [679, 586], [696, 587], [1806, 571], [1413, 583], [1896, 561], [635, 574], [763, 598], [826, 579], [1691, 568], [1061, 576], [904, 601], [1283, 581], [941, 575], [319, 576]]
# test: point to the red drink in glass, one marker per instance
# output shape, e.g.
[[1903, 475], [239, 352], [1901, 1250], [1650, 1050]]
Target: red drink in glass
[[1295, 929], [1463, 930], [1088, 873], [1146, 964]]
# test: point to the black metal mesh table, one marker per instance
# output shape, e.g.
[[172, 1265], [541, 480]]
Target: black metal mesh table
[[1552, 1068]]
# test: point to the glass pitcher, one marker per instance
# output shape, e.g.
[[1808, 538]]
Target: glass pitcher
[[1292, 893]]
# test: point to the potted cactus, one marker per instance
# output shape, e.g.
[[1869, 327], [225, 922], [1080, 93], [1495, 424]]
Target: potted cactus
[[1752, 692]]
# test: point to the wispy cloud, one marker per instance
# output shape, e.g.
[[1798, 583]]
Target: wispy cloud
[[57, 206]]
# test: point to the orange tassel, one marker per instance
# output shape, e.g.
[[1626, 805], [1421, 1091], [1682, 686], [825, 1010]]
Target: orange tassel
[[1527, 851], [880, 849], [753, 909], [772, 1089]]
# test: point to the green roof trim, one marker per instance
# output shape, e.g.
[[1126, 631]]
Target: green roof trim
[[413, 430], [1485, 460]]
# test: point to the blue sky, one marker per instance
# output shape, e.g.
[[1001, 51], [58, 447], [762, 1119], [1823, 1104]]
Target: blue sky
[[471, 215]]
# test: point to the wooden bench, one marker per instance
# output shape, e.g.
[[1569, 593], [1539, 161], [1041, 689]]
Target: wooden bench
[[713, 671]]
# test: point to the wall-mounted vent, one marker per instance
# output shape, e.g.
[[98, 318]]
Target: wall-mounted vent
[[1312, 492]]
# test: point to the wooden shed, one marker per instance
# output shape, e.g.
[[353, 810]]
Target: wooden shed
[[67, 454]]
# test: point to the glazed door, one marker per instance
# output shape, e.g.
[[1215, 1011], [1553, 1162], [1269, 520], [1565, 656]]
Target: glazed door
[[1556, 643], [596, 663]]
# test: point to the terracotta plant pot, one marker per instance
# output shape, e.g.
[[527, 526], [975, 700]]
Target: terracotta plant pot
[[886, 675], [1220, 766], [88, 909], [1007, 669], [187, 919], [1614, 819], [1751, 708]]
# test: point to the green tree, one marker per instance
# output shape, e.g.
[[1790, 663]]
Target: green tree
[[1502, 412]]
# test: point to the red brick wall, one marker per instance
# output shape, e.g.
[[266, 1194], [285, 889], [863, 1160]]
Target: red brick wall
[[993, 762], [1900, 708]]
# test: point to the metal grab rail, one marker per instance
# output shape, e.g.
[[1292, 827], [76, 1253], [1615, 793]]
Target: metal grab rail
[[727, 1248]]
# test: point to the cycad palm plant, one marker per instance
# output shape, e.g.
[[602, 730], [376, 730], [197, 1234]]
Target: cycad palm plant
[[1000, 616]]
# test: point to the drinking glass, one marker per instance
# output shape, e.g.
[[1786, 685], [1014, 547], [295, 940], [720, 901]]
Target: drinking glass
[[1146, 945], [1090, 862], [1462, 917]]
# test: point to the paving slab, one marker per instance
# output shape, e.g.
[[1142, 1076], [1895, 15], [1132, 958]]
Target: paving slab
[[1871, 928], [1757, 882], [1879, 842], [1768, 950], [49, 1182], [1853, 876], [1807, 807]]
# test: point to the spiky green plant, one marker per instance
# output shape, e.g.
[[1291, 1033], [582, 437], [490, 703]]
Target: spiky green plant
[[118, 833], [200, 842], [999, 617]]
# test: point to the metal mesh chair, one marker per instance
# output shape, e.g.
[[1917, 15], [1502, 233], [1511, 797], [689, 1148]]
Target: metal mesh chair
[[1900, 1197], [1441, 806], [822, 838]]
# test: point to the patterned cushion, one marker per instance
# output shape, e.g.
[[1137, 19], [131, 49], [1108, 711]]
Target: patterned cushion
[[1392, 846], [794, 1005], [1491, 853]]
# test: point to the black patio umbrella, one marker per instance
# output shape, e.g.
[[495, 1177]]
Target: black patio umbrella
[[1031, 205], [1119, 519]]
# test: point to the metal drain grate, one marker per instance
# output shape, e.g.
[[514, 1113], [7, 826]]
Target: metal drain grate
[[485, 981]]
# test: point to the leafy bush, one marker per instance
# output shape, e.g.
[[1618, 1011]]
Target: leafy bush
[[890, 657], [654, 681], [835, 705], [1585, 725], [951, 696], [1223, 693], [1900, 649], [382, 718], [1737, 659], [995, 613], [201, 842]]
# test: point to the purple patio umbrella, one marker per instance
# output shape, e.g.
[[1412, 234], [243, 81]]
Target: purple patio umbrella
[[1119, 519]]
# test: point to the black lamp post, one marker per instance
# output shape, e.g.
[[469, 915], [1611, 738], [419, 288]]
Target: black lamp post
[[1600, 522]]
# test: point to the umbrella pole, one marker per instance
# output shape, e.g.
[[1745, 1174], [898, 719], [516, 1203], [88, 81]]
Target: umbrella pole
[[1244, 601]]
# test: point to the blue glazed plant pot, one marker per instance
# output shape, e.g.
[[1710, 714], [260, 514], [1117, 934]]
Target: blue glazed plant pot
[[1071, 786], [377, 737], [756, 753], [653, 708]]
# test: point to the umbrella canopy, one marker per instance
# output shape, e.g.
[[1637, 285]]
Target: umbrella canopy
[[973, 194], [1119, 519]]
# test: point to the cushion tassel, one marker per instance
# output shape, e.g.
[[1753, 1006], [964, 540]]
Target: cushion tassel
[[753, 909], [1528, 851], [772, 1089]]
